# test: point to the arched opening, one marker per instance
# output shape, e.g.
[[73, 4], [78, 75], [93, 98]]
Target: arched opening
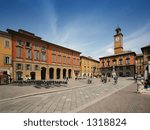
[[58, 73], [19, 75], [84, 75], [128, 74], [51, 73], [32, 75], [69, 73], [103, 74], [43, 73], [121, 74], [64, 73]]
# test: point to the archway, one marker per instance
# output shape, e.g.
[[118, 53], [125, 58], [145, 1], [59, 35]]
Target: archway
[[58, 73], [69, 73], [43, 73], [51, 73], [121, 74], [128, 74], [32, 75], [64, 73]]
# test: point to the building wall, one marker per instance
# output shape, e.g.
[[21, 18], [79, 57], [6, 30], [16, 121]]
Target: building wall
[[139, 65], [57, 57], [86, 66], [117, 58], [5, 51], [122, 69], [146, 62]]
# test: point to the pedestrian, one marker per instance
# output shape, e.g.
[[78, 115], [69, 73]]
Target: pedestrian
[[102, 78], [115, 79]]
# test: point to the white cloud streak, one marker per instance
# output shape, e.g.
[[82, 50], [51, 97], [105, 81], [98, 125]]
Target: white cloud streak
[[82, 34]]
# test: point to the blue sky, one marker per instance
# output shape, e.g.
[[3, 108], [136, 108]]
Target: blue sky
[[84, 25]]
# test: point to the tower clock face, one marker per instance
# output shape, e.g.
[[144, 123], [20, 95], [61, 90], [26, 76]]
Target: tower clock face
[[117, 39]]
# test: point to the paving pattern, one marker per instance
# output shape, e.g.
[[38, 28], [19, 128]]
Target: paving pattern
[[70, 100], [124, 101]]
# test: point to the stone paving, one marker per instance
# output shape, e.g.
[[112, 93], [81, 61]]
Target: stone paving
[[124, 101], [70, 99]]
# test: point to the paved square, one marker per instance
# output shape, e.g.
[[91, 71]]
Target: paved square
[[78, 96]]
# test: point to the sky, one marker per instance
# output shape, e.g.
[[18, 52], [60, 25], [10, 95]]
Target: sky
[[87, 26]]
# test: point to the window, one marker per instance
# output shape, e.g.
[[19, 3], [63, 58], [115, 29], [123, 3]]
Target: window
[[19, 52], [7, 60], [53, 51], [43, 48], [69, 60], [28, 44], [59, 59], [120, 57], [127, 61], [43, 56], [7, 44], [59, 51], [27, 66], [36, 55], [114, 62], [28, 54], [78, 62], [36, 67], [19, 43], [127, 56], [120, 62], [19, 66], [64, 59], [36, 46], [53, 58]]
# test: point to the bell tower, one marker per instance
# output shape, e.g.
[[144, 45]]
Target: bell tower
[[118, 41]]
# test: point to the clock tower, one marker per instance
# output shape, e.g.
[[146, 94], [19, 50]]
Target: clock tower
[[118, 41]]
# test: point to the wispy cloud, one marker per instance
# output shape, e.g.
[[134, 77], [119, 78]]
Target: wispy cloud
[[84, 33], [138, 39]]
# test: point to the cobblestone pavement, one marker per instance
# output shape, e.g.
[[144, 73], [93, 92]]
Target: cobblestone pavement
[[125, 100], [73, 99]]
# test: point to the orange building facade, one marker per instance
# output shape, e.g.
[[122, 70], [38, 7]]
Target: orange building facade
[[122, 62], [36, 59]]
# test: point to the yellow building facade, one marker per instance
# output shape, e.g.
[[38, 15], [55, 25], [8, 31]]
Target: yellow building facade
[[5, 53], [139, 64], [88, 67]]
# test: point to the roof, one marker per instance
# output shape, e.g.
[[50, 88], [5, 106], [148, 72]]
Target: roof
[[148, 46], [4, 33], [123, 53], [33, 36], [89, 58]]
